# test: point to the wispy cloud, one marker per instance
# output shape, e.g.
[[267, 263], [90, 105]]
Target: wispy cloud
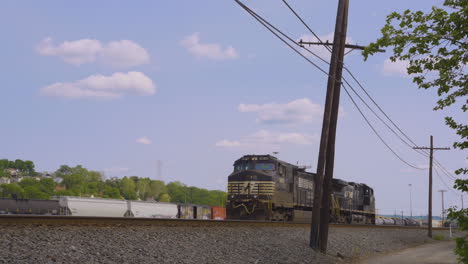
[[103, 87], [211, 51], [144, 140], [294, 112], [121, 53], [397, 68], [116, 170], [266, 139]]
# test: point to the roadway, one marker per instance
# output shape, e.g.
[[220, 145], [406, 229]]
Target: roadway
[[437, 252]]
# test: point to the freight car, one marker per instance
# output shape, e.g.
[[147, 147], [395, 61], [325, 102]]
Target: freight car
[[29, 206], [261, 187], [100, 207]]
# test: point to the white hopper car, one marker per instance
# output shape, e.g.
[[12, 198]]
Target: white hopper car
[[100, 207], [151, 209], [78, 206]]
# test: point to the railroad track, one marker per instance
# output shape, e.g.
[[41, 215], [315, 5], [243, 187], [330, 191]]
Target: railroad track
[[127, 221]]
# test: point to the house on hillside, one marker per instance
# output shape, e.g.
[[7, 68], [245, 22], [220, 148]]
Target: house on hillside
[[13, 172], [5, 180], [60, 188]]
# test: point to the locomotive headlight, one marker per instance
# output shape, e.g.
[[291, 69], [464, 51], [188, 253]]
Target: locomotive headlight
[[255, 196], [232, 196]]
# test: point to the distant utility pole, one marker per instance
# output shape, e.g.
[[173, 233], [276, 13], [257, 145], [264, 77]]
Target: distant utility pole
[[410, 202], [431, 155], [443, 209], [159, 165]]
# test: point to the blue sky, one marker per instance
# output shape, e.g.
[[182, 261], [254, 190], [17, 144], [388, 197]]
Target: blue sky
[[117, 85]]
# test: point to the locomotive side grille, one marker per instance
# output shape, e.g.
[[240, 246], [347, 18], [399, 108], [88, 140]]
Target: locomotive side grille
[[251, 187]]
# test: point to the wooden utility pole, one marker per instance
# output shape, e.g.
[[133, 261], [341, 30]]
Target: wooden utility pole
[[316, 233], [330, 161], [431, 155]]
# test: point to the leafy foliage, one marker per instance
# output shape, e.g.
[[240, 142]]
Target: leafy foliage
[[79, 181], [23, 167], [436, 48]]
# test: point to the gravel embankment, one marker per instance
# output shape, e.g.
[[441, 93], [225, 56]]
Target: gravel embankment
[[146, 244]]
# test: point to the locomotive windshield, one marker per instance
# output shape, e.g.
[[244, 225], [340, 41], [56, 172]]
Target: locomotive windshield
[[254, 166]]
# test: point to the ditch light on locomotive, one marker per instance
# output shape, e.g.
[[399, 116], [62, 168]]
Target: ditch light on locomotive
[[261, 187]]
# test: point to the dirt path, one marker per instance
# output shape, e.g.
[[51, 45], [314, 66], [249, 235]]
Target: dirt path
[[439, 252]]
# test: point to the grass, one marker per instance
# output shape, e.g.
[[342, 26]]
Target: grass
[[439, 237]]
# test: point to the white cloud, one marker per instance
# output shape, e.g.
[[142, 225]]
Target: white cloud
[[321, 50], [297, 111], [266, 139], [211, 51], [122, 53], [74, 52], [103, 87], [398, 67], [228, 143], [144, 140]]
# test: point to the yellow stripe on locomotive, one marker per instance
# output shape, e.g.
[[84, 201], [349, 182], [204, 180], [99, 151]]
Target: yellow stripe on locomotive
[[251, 187]]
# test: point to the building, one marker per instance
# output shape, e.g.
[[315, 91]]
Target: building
[[5, 180]]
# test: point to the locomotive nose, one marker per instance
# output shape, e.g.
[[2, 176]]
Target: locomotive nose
[[250, 185]]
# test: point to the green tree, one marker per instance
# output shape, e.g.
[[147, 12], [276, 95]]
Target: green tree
[[12, 190], [28, 167], [63, 170], [47, 185], [33, 192], [156, 189], [128, 190], [165, 198], [4, 163], [178, 192], [111, 192], [143, 188], [436, 48]]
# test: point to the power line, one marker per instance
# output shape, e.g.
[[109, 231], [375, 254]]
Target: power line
[[422, 152], [269, 26], [362, 87], [375, 131], [446, 185]]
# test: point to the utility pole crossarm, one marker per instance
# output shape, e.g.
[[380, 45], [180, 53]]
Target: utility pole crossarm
[[431, 148], [348, 46]]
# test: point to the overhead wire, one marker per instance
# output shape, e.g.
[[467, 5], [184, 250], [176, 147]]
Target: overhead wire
[[359, 84], [269, 27], [422, 152], [446, 185]]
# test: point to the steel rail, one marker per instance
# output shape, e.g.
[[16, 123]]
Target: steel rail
[[42, 220]]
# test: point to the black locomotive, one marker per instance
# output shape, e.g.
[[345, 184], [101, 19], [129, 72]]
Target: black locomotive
[[261, 187]]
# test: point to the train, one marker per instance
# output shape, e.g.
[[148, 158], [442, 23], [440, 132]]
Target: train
[[262, 187], [101, 207]]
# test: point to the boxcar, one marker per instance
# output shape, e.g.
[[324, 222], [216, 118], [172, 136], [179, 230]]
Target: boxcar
[[203, 212], [218, 213]]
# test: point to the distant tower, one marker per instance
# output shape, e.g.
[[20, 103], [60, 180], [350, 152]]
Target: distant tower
[[159, 165]]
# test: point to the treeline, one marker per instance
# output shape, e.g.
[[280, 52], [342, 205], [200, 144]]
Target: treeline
[[79, 181], [25, 168]]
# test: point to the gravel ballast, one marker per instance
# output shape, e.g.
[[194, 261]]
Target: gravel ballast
[[155, 244]]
